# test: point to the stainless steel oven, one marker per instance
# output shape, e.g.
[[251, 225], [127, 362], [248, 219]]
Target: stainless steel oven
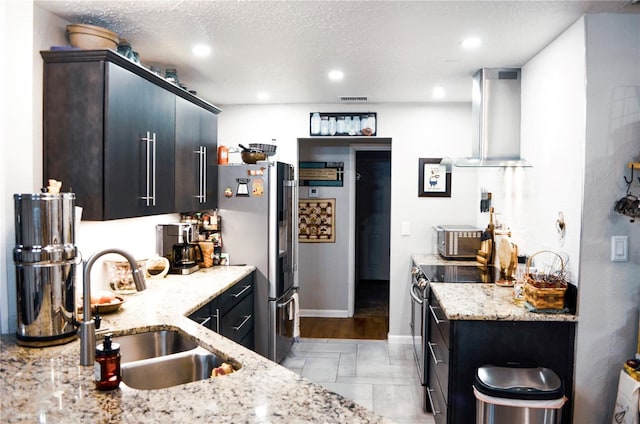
[[422, 276], [418, 294]]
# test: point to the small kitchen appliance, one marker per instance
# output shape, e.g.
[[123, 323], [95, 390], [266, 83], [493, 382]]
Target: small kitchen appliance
[[178, 243], [45, 257], [458, 241]]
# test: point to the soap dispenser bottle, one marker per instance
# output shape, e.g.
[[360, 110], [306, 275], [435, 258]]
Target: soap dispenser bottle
[[106, 370]]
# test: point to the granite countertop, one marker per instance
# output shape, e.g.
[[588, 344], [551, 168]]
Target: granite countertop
[[48, 384], [487, 302], [480, 301]]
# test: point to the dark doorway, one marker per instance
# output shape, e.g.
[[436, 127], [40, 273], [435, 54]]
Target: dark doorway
[[372, 238]]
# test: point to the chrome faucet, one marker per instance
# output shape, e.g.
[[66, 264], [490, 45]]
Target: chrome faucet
[[88, 324]]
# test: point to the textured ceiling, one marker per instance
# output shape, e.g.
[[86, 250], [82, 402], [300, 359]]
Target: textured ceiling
[[390, 51]]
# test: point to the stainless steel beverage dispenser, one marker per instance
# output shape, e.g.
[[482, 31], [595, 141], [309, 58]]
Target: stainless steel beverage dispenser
[[45, 257]]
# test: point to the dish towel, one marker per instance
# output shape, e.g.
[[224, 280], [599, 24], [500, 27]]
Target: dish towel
[[626, 409], [294, 315]]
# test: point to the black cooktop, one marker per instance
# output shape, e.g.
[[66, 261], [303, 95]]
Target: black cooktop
[[459, 273]]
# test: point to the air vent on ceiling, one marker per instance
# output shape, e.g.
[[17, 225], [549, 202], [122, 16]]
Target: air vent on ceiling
[[354, 99]]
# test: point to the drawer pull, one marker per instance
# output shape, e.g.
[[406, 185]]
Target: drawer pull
[[435, 317], [205, 321], [433, 408], [217, 316], [246, 319], [237, 295], [433, 353]]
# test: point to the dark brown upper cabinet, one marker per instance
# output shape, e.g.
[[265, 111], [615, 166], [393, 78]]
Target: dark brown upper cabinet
[[196, 182], [112, 134]]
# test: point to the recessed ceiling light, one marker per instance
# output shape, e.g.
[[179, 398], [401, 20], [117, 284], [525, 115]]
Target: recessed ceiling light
[[336, 75], [438, 92], [201, 50], [471, 43], [262, 96]]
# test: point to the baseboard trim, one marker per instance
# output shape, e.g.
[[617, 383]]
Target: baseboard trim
[[324, 313], [393, 339]]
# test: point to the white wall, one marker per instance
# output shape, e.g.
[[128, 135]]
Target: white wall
[[579, 131], [18, 148], [22, 152], [609, 294], [416, 130]]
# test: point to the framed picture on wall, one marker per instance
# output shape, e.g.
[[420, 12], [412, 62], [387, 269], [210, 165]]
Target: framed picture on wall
[[316, 220], [434, 179]]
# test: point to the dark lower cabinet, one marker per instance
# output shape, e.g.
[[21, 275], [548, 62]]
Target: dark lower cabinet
[[458, 347], [231, 313]]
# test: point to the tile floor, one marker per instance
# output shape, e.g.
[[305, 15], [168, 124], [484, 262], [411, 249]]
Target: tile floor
[[377, 375]]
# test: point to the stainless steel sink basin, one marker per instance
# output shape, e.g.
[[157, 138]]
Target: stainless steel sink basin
[[170, 370], [163, 358], [152, 344]]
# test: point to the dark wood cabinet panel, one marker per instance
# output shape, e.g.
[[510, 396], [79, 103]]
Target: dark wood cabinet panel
[[231, 313], [110, 136], [138, 145], [196, 183], [460, 347]]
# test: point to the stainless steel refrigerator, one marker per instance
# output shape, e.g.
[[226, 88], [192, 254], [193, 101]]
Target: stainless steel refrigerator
[[256, 203]]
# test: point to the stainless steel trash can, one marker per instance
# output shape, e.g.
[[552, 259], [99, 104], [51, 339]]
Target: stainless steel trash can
[[507, 395]]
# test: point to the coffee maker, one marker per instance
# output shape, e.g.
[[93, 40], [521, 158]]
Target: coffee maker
[[178, 242]]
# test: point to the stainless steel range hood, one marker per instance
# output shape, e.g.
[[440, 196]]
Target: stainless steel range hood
[[495, 116]]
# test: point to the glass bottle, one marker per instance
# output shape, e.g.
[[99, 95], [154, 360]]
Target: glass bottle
[[171, 75], [341, 127], [372, 123], [364, 123], [356, 125], [315, 124], [324, 125], [348, 125], [518, 287], [106, 370], [333, 127]]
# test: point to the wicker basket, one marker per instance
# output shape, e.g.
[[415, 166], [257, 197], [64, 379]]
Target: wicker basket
[[545, 292]]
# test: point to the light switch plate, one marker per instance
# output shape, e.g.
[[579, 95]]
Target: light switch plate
[[313, 192], [619, 248], [405, 229]]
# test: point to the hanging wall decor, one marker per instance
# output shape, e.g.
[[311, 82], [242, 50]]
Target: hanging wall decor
[[434, 178], [316, 220]]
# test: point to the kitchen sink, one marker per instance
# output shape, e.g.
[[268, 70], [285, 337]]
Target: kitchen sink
[[163, 358], [152, 344], [170, 370]]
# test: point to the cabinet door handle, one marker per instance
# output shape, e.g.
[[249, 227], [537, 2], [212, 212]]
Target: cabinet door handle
[[433, 408], [202, 174], [150, 195], [435, 317], [154, 169], [244, 289], [217, 317], [244, 321], [433, 353]]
